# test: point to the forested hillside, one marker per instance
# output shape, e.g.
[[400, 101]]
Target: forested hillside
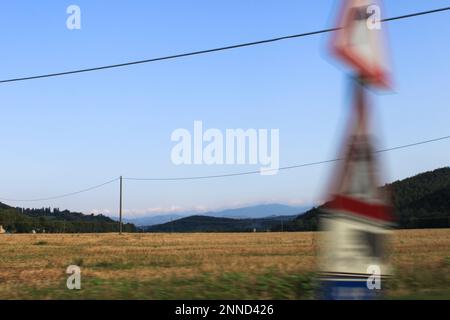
[[201, 223], [421, 201], [52, 221]]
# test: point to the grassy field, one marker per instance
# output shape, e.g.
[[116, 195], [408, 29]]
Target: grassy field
[[203, 266]]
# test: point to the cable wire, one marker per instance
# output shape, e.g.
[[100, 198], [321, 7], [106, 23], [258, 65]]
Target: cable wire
[[283, 168], [194, 53], [219, 175], [62, 195]]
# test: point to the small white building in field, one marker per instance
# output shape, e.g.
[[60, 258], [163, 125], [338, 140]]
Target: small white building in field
[[2, 230]]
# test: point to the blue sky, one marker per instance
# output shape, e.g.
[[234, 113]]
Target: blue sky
[[63, 134]]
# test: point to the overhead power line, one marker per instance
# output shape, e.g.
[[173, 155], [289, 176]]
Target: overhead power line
[[219, 175], [194, 53], [283, 168], [62, 195]]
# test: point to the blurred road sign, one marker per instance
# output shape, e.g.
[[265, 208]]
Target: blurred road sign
[[357, 218], [360, 41]]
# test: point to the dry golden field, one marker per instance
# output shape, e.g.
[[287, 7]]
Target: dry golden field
[[203, 265]]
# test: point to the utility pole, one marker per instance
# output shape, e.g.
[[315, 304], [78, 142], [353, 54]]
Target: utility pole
[[120, 207]]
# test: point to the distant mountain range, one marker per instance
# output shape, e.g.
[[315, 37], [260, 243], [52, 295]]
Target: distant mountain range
[[157, 218], [250, 212]]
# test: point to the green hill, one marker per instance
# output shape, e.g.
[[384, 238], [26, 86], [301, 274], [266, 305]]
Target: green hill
[[24, 220], [199, 223], [421, 201]]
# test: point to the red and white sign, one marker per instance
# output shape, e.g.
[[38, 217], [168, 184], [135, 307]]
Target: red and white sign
[[360, 43]]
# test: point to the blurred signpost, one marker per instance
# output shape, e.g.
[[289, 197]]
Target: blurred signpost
[[357, 216]]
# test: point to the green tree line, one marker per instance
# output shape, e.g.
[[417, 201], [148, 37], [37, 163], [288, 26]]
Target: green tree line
[[21, 220]]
